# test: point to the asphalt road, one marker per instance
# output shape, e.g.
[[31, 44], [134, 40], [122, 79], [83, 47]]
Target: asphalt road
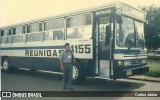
[[22, 80]]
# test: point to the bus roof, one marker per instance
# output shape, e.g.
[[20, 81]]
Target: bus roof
[[113, 4]]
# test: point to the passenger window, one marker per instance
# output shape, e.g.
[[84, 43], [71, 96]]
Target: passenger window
[[48, 35], [40, 26], [79, 26], [48, 25], [14, 31], [58, 24], [57, 33], [34, 37], [28, 28], [23, 30], [18, 38], [80, 32], [2, 32], [4, 40], [19, 30], [6, 32]]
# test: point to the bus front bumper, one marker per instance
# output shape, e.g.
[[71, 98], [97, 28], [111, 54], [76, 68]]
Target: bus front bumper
[[130, 72]]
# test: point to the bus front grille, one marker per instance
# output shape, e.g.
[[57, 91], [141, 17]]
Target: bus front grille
[[136, 62]]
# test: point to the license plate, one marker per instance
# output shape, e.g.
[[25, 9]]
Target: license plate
[[129, 72]]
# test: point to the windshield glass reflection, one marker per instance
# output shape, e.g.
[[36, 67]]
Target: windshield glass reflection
[[130, 33]]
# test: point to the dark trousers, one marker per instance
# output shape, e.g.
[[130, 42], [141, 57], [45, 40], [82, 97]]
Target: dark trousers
[[67, 75]]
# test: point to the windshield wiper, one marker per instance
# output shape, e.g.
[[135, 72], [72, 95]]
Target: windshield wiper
[[141, 41], [129, 40]]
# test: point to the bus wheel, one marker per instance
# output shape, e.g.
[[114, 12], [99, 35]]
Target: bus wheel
[[77, 73], [6, 65]]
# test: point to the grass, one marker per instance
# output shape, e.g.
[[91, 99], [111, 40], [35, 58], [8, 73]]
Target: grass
[[154, 67]]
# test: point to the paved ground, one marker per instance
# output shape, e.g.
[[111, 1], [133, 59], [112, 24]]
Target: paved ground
[[145, 78], [25, 81]]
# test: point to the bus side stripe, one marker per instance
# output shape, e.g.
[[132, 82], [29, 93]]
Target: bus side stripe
[[38, 47]]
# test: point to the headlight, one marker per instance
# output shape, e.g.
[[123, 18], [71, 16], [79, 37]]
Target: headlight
[[127, 63], [120, 63], [144, 61]]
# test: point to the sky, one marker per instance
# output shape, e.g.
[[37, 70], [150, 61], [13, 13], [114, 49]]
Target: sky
[[18, 11]]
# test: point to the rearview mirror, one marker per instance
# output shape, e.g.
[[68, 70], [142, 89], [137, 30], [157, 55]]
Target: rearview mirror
[[146, 22]]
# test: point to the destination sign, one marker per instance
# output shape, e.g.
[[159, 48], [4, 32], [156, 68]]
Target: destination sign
[[102, 12]]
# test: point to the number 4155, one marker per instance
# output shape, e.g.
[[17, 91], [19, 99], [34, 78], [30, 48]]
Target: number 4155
[[82, 48]]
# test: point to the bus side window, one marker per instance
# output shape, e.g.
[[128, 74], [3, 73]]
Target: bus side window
[[1, 36], [73, 33], [28, 28], [6, 32], [48, 35], [9, 36], [23, 30], [2, 32], [35, 27], [30, 37], [79, 26], [5, 38], [48, 25], [14, 31], [19, 30], [40, 26], [9, 32], [58, 35], [58, 30], [38, 36]]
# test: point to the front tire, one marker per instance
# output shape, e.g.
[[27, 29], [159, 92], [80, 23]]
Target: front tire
[[78, 76]]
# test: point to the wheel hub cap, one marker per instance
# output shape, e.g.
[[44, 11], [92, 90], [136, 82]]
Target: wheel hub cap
[[5, 65], [75, 73]]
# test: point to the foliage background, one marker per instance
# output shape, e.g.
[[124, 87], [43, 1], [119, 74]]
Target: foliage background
[[152, 28]]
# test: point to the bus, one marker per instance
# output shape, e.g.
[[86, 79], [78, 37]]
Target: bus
[[107, 42]]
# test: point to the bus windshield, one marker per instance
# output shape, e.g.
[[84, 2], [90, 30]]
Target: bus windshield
[[130, 33]]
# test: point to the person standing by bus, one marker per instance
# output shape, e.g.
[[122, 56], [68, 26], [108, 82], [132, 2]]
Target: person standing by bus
[[66, 62]]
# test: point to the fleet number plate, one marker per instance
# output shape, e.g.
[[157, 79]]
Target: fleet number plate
[[129, 72]]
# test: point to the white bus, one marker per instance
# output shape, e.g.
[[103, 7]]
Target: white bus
[[107, 42]]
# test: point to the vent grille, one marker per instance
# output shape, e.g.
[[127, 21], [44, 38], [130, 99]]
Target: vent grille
[[136, 62]]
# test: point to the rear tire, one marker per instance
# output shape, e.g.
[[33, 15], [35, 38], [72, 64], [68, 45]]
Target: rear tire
[[6, 65]]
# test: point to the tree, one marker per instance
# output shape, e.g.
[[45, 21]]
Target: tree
[[152, 29]]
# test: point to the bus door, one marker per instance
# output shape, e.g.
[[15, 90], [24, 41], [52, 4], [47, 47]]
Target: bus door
[[102, 30]]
